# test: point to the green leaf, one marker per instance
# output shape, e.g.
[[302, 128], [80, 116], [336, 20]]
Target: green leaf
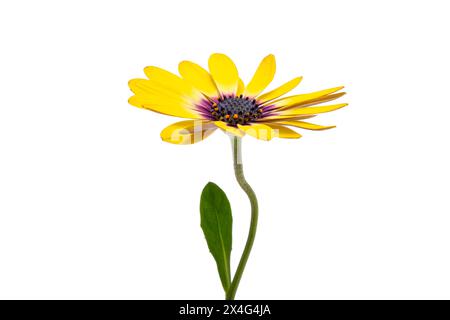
[[217, 223]]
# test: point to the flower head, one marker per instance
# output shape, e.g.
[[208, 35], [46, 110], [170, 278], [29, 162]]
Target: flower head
[[219, 99]]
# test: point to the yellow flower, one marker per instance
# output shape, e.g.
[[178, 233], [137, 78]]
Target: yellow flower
[[219, 99]]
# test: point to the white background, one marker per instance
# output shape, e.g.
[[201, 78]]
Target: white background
[[94, 205]]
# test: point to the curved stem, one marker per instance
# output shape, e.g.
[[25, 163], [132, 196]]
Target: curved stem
[[239, 172]]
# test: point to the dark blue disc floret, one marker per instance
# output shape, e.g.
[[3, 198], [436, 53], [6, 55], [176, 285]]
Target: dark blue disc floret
[[236, 110]]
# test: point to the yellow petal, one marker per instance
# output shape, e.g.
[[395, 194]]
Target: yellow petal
[[165, 84], [279, 118], [263, 76], [268, 131], [224, 73], [310, 110], [170, 84], [314, 102], [305, 125], [320, 100], [301, 98], [187, 132], [199, 78], [278, 92], [148, 88], [283, 132], [258, 131], [152, 96], [241, 87], [228, 129]]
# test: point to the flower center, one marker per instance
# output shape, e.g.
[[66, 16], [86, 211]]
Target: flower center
[[236, 110]]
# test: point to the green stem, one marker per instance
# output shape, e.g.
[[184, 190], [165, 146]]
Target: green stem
[[239, 172]]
